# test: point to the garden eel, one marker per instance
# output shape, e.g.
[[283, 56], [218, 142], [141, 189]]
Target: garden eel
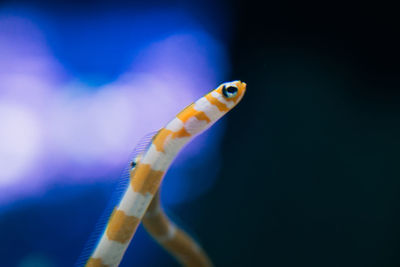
[[141, 200]]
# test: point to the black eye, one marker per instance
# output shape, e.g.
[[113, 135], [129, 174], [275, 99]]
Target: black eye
[[229, 91], [133, 164]]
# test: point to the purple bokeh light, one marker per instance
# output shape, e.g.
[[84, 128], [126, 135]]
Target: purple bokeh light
[[53, 124]]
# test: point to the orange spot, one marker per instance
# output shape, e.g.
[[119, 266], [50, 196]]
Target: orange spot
[[221, 106], [146, 180], [92, 262], [160, 138], [201, 116], [190, 112], [181, 133], [121, 227]]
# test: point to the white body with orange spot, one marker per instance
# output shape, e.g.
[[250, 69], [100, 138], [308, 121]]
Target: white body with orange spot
[[147, 176]]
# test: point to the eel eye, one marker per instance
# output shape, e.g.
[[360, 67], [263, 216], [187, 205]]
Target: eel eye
[[133, 164], [229, 91]]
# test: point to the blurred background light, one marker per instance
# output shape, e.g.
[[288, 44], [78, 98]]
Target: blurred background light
[[80, 85], [87, 87], [20, 142]]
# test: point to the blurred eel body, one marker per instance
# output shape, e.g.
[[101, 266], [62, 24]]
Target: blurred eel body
[[141, 198]]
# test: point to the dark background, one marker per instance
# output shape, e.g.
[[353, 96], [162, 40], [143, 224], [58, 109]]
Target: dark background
[[310, 172]]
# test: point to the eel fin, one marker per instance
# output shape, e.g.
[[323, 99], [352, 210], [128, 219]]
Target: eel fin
[[119, 190]]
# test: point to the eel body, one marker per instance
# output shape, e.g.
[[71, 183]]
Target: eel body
[[146, 174]]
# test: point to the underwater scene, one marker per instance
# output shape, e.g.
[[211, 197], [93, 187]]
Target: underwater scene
[[199, 133]]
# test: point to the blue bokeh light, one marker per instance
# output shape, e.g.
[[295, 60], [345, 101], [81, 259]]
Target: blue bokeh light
[[78, 89]]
